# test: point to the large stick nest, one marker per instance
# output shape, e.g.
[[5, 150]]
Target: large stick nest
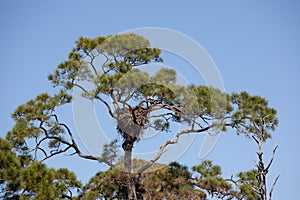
[[131, 122]]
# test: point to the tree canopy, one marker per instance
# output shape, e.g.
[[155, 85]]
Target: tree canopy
[[136, 101]]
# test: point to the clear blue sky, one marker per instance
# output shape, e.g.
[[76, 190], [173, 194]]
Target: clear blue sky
[[255, 45]]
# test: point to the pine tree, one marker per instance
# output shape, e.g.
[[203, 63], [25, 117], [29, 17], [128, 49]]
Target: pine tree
[[135, 96]]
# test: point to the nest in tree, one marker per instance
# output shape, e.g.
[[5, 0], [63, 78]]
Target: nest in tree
[[131, 122]]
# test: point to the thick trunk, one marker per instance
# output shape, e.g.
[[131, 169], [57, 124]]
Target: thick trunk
[[131, 186], [127, 160], [131, 189]]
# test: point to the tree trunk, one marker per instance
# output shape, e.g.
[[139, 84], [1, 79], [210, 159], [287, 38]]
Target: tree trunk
[[263, 188], [262, 177], [127, 160], [131, 186]]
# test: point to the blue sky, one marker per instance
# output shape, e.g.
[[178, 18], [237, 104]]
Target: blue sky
[[255, 45]]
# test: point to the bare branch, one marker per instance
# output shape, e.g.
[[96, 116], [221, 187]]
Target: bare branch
[[39, 148], [257, 127], [204, 119], [74, 144], [97, 97], [56, 152], [81, 87], [161, 115], [115, 99], [168, 142], [107, 106], [271, 161], [254, 189], [92, 57], [255, 163], [105, 62], [272, 188], [69, 145], [71, 154], [255, 139]]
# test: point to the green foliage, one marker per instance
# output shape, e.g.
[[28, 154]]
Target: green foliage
[[210, 179], [109, 184], [9, 167], [122, 52], [206, 169], [121, 45], [131, 82], [34, 117], [121, 81], [20, 179], [41, 107], [211, 101], [68, 73], [165, 76], [170, 182], [174, 181], [248, 181], [39, 182], [139, 101], [253, 116]]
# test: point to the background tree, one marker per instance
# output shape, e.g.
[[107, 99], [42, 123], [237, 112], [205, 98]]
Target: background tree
[[22, 179], [139, 101], [175, 181]]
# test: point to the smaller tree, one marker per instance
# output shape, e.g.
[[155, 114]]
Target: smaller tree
[[263, 120]]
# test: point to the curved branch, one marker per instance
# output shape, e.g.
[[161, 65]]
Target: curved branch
[[271, 161], [74, 144], [273, 185], [97, 97], [69, 145], [107, 106], [105, 62], [168, 142], [92, 57], [56, 153]]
